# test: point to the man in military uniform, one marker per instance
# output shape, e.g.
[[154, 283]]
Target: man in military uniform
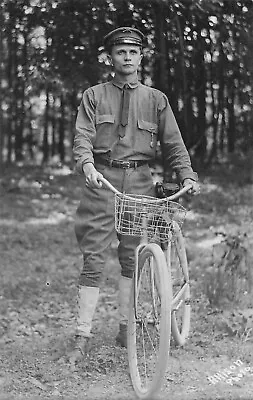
[[117, 129]]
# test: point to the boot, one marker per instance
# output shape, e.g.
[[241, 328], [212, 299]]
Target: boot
[[125, 285], [87, 301], [81, 347]]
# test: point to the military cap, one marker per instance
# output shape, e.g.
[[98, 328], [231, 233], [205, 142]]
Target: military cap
[[123, 35]]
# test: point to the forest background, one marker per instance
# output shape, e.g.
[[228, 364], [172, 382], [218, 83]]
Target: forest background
[[200, 54]]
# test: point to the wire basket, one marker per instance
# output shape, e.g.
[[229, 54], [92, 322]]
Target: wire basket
[[139, 215]]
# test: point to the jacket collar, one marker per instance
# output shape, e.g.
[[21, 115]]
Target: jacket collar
[[117, 82]]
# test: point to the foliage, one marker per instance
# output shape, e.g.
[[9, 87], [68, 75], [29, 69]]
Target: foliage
[[238, 323], [228, 280], [198, 52]]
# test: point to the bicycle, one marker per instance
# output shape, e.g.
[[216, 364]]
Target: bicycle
[[160, 296]]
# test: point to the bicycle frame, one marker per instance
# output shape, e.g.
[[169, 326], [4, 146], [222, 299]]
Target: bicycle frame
[[177, 299], [154, 221], [144, 242]]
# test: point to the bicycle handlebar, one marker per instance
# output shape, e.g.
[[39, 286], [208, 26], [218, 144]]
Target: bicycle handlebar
[[109, 185], [172, 197]]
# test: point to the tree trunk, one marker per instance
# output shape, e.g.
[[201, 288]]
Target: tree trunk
[[185, 96], [73, 106], [1, 95], [10, 112], [161, 78], [61, 147], [231, 115], [30, 139], [45, 145], [53, 124], [17, 117]]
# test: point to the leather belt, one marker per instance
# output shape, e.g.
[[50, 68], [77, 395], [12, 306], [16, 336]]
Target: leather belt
[[119, 163]]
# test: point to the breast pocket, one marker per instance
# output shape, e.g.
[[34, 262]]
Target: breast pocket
[[105, 131], [146, 139]]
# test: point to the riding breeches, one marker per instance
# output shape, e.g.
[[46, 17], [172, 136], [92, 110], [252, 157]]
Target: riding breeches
[[94, 225]]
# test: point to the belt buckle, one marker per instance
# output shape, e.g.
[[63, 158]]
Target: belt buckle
[[127, 164]]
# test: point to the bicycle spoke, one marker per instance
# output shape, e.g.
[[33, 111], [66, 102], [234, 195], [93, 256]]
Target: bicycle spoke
[[177, 285], [179, 296], [180, 290], [149, 323], [148, 314]]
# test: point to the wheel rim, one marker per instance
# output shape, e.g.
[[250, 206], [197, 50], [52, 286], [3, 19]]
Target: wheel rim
[[180, 312], [147, 325]]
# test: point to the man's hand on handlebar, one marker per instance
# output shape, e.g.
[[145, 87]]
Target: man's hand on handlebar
[[195, 188], [92, 176]]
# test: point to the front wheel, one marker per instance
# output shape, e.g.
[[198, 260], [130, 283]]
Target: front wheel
[[149, 322], [181, 308]]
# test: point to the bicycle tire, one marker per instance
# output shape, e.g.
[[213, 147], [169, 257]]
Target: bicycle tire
[[181, 308], [148, 383]]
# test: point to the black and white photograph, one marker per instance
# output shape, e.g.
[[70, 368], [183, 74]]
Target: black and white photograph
[[126, 199]]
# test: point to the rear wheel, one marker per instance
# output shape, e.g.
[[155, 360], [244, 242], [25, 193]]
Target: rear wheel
[[149, 322], [181, 309]]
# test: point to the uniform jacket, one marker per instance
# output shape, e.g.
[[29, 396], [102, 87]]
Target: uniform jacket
[[150, 119]]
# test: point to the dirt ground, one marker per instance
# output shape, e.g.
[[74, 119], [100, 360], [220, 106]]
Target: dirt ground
[[40, 265]]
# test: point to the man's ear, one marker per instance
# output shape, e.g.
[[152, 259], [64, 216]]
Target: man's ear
[[109, 58]]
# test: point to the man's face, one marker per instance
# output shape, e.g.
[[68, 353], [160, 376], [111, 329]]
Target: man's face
[[126, 58]]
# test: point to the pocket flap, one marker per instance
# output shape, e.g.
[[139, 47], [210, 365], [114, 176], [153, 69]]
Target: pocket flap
[[100, 119], [147, 126]]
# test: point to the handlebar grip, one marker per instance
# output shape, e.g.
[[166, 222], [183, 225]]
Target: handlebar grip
[[182, 191], [109, 185]]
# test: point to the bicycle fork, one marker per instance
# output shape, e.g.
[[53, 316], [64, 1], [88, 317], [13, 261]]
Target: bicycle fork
[[154, 285], [179, 296], [136, 275]]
